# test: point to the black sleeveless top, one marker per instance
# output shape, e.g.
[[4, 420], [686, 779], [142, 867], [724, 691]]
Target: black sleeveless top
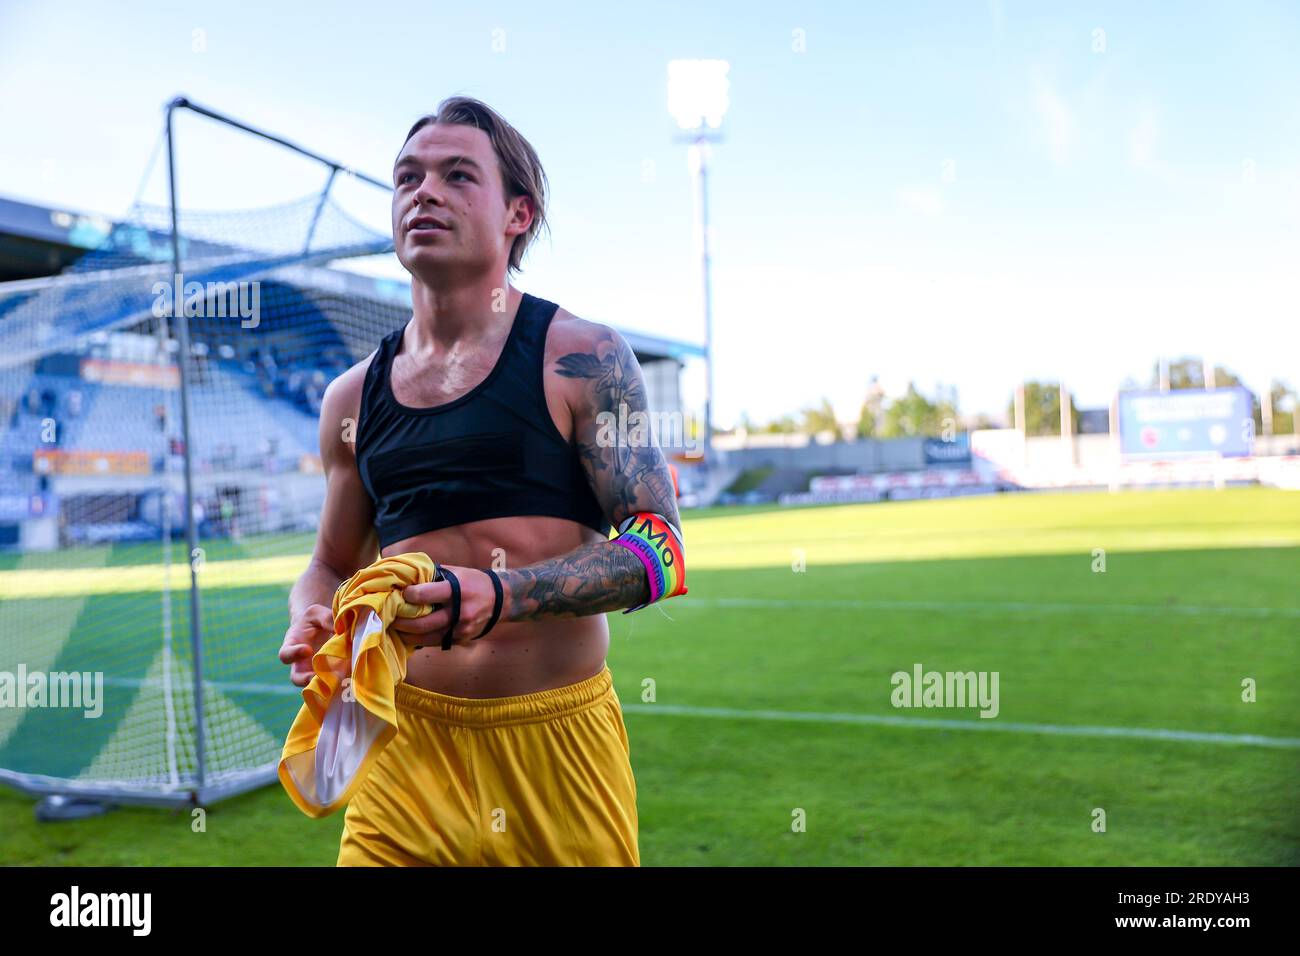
[[492, 453]]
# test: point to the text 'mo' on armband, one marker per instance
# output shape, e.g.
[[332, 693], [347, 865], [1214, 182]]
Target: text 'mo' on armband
[[653, 539]]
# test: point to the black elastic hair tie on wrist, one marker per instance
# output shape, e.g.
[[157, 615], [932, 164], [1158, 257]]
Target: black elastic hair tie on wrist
[[451, 579], [497, 603]]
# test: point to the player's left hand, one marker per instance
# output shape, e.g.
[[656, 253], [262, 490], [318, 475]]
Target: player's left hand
[[477, 599]]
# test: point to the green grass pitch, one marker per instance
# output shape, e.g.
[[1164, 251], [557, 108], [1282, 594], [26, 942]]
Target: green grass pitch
[[772, 691]]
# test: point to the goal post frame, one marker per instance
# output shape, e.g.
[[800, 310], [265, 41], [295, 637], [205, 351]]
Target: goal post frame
[[181, 319], [210, 769]]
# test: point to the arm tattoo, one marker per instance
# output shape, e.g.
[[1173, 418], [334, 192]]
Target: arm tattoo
[[628, 474], [591, 579], [626, 469]]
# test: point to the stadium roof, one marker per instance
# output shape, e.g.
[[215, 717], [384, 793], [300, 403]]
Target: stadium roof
[[653, 346], [40, 241]]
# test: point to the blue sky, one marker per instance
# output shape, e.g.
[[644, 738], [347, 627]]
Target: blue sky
[[956, 193]]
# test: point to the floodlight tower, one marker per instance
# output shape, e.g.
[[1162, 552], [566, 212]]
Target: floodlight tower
[[698, 99]]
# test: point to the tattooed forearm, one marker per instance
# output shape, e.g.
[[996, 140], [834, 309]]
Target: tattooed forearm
[[627, 473], [588, 580]]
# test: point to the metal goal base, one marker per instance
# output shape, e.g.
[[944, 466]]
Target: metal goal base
[[58, 807]]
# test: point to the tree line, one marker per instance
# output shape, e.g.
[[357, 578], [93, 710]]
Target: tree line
[[915, 413]]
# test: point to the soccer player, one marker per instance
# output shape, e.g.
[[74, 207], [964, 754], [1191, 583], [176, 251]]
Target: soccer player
[[478, 434]]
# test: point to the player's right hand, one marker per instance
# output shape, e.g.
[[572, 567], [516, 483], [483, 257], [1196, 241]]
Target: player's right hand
[[303, 639]]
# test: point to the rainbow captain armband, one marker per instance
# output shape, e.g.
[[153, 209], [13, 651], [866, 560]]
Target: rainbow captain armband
[[653, 539]]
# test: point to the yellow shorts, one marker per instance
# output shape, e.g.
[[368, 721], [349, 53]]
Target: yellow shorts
[[540, 779]]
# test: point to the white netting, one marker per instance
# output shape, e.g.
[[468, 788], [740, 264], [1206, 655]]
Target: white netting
[[94, 567]]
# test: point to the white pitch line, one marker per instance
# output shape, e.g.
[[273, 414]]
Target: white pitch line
[[221, 685], [877, 720], [864, 605], [925, 723]]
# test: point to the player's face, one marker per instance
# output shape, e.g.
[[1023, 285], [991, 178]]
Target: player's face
[[449, 206]]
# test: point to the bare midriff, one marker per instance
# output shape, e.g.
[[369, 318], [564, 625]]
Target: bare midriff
[[515, 657]]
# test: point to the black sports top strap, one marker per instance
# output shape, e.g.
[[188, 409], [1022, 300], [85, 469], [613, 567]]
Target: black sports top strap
[[493, 452]]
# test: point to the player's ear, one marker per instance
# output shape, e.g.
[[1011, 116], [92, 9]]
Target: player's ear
[[522, 211]]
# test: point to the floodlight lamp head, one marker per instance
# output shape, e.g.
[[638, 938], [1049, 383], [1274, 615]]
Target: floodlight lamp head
[[698, 92]]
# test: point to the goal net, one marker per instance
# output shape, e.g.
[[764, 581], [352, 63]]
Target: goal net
[[160, 469]]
